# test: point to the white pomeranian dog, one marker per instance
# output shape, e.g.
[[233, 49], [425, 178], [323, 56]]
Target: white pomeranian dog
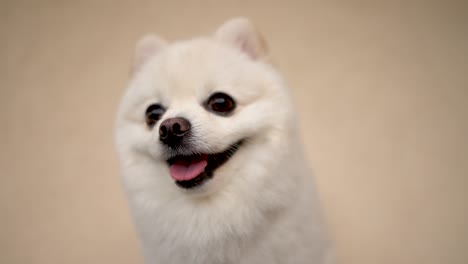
[[211, 158]]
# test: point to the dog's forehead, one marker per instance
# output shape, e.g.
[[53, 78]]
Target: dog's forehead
[[198, 66], [193, 70]]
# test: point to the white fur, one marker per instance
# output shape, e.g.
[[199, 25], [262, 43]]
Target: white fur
[[261, 205]]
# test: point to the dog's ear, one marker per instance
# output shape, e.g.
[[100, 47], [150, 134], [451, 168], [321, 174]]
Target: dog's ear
[[240, 33], [146, 48]]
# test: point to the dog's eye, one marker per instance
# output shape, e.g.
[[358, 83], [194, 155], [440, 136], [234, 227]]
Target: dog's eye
[[221, 103], [153, 114]]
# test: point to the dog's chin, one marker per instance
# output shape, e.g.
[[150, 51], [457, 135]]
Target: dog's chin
[[193, 171]]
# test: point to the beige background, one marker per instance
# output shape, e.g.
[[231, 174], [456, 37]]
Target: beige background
[[382, 89]]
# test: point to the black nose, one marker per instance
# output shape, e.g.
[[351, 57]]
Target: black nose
[[173, 130]]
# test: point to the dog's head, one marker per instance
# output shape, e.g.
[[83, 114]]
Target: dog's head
[[202, 114]]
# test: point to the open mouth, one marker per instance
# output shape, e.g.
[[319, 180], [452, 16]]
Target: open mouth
[[194, 170]]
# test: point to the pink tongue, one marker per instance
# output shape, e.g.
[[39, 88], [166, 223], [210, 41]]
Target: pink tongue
[[186, 172]]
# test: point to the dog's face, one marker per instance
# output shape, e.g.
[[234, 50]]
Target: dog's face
[[203, 114]]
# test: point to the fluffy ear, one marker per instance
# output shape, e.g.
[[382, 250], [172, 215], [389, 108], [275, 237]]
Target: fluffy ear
[[240, 33], [146, 48]]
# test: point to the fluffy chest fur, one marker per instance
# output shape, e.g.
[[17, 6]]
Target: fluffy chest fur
[[282, 226]]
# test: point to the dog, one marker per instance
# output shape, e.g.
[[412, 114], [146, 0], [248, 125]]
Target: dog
[[211, 158]]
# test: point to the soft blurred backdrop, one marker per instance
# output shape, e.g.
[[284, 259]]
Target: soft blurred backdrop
[[382, 89]]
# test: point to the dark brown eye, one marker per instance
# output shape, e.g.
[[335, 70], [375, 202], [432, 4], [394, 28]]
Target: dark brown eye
[[153, 114], [221, 103]]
